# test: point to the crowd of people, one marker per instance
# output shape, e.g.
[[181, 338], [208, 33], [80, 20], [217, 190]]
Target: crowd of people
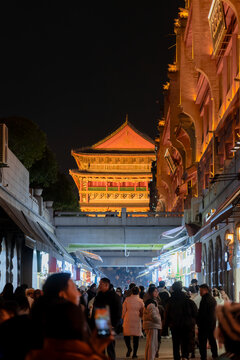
[[58, 322]]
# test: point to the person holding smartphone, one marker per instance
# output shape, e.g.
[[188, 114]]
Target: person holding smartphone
[[107, 297]]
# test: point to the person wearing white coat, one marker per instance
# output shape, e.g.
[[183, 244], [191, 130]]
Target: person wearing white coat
[[151, 323], [132, 312]]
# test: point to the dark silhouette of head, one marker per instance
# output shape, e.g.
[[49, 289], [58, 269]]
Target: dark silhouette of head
[[20, 291], [56, 283], [177, 286], [135, 290], [7, 291], [162, 284], [132, 285], [64, 320]]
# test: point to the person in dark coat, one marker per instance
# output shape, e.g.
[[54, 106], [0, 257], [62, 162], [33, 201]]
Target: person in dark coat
[[106, 297], [180, 316], [66, 336], [164, 295], [92, 291], [142, 292], [7, 293], [206, 322]]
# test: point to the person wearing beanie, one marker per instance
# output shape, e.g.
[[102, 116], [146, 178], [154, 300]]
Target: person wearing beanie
[[180, 316], [151, 323], [206, 322], [228, 331]]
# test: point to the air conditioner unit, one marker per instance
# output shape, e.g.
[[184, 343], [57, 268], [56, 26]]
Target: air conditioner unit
[[3, 145]]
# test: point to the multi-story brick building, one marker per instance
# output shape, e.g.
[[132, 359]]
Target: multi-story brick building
[[198, 153]]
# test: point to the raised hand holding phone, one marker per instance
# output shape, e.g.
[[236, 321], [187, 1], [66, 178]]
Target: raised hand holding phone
[[102, 321]]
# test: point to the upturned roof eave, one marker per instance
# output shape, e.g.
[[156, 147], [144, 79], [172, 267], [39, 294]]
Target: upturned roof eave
[[126, 123], [90, 151]]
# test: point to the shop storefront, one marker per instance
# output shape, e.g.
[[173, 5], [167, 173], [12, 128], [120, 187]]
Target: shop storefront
[[84, 277], [182, 265], [187, 265], [68, 267], [43, 267]]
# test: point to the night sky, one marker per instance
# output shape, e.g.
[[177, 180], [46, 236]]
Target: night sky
[[77, 68]]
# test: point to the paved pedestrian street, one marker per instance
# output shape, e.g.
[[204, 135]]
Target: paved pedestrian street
[[164, 353], [165, 350]]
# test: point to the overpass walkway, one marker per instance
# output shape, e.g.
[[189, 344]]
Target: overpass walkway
[[116, 236]]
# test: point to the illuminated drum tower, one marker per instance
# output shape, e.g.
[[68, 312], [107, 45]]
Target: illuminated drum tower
[[115, 172]]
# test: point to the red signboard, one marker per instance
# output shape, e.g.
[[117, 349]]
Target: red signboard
[[78, 274], [52, 264], [198, 257]]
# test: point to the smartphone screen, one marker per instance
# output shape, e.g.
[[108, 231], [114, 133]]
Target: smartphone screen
[[102, 321]]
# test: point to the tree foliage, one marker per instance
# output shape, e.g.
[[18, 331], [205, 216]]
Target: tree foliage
[[26, 140], [43, 172], [63, 193]]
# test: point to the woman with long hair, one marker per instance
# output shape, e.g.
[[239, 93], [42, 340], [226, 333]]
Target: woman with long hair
[[151, 323], [132, 313]]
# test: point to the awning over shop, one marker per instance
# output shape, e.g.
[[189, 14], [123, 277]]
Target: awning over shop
[[173, 233], [81, 260], [91, 255], [21, 220], [226, 209], [35, 237], [173, 237], [222, 215], [175, 242], [55, 242], [18, 218]]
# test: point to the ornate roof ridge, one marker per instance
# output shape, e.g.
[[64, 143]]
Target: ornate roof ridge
[[126, 123]]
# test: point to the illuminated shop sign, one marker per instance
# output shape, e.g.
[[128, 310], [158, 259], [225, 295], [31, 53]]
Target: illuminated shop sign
[[187, 261], [44, 263], [217, 24], [154, 276], [83, 275], [68, 268], [59, 266]]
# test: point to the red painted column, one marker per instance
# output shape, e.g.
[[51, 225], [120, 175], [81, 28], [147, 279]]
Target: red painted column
[[198, 257], [81, 187], [52, 264], [77, 274], [146, 185], [87, 200]]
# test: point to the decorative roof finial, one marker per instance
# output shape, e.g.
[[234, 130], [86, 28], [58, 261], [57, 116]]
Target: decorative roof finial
[[126, 118]]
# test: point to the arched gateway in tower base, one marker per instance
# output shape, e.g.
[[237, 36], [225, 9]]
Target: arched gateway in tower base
[[115, 172]]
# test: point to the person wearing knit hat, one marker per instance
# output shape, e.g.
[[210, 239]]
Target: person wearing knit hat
[[228, 331]]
